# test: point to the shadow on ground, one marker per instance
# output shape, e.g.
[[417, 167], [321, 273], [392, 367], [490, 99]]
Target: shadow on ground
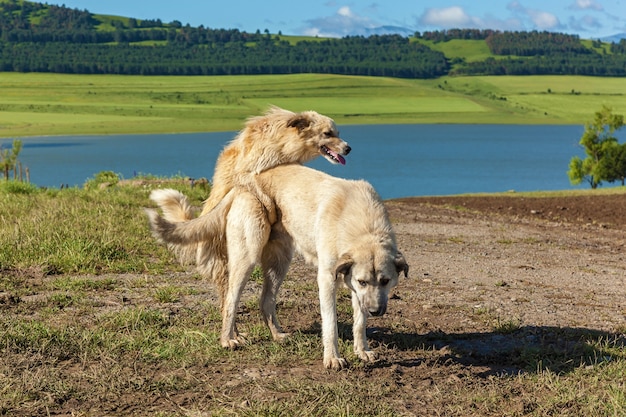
[[524, 350]]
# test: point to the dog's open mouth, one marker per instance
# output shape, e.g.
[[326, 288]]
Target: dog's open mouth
[[332, 156]]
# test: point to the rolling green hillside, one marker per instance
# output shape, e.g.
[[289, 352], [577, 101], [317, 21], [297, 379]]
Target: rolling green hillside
[[59, 104], [36, 37]]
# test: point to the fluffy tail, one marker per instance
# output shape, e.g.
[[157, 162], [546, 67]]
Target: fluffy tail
[[175, 206], [183, 233]]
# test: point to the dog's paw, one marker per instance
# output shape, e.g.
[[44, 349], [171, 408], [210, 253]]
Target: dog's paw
[[280, 337], [232, 343], [367, 355], [335, 363]]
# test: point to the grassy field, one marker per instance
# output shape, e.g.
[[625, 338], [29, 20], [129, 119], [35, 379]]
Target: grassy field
[[469, 50], [96, 318], [57, 104]]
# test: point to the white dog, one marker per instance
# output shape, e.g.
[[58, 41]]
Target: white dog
[[339, 225]]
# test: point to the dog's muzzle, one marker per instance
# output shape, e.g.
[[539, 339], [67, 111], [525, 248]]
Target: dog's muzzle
[[377, 313]]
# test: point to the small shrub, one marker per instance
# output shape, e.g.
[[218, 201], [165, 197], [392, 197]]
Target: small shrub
[[17, 187], [102, 177]]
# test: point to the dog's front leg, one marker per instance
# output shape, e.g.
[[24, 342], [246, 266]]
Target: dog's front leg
[[361, 348], [328, 307]]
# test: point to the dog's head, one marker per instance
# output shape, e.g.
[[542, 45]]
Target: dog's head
[[320, 136], [371, 276]]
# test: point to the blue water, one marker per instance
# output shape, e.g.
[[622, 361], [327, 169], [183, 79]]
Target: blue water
[[399, 160]]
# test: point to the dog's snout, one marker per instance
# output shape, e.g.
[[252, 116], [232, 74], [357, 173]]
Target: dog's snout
[[348, 149], [381, 311]]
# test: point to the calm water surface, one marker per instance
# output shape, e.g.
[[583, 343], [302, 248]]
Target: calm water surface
[[399, 160]]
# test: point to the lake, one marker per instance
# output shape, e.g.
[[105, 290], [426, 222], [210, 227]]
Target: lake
[[399, 160]]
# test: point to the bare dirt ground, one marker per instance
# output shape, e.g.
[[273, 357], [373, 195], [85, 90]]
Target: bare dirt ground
[[543, 261], [496, 284]]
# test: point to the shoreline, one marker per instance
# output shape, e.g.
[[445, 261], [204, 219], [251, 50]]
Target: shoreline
[[144, 133]]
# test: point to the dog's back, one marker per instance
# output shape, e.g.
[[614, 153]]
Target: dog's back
[[318, 209]]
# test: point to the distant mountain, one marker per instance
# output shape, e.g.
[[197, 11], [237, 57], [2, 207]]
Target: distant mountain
[[614, 38]]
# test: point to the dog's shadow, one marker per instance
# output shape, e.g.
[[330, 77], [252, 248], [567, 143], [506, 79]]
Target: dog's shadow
[[526, 349]]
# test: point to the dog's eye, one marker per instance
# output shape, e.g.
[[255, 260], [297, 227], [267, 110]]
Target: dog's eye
[[384, 281], [328, 134], [362, 283]]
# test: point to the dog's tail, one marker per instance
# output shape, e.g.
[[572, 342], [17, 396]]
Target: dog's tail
[[181, 231], [175, 206]]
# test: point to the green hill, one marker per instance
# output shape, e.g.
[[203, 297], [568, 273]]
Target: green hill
[[36, 37]]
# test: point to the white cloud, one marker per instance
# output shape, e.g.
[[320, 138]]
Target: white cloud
[[456, 17], [345, 12], [447, 17], [343, 23], [587, 5], [584, 24], [544, 20], [539, 19]]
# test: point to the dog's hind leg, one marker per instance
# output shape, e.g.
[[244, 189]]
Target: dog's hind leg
[[275, 261], [247, 232]]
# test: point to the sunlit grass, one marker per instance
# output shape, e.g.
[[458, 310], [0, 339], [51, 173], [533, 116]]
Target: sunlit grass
[[79, 231], [58, 104], [557, 193]]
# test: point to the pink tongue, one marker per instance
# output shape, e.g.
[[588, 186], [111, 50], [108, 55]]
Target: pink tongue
[[338, 157]]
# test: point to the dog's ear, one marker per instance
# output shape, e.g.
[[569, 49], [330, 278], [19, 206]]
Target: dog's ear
[[401, 265], [344, 264], [299, 121]]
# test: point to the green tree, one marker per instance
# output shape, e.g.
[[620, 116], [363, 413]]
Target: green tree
[[613, 166], [597, 140], [8, 158]]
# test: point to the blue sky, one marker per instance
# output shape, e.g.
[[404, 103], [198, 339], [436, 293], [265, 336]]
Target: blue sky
[[591, 19]]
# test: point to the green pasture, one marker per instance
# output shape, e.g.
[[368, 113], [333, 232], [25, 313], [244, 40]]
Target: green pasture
[[469, 50], [58, 104]]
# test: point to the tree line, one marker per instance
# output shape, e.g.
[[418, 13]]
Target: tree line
[[36, 37], [353, 56], [536, 53]]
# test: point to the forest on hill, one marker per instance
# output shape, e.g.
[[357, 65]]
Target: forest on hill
[[36, 37]]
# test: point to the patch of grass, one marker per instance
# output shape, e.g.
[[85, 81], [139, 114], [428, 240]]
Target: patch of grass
[[467, 50], [167, 294], [507, 326], [505, 241], [80, 231], [83, 284]]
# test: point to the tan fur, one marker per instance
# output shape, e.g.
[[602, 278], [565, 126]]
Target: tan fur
[[339, 225], [278, 137]]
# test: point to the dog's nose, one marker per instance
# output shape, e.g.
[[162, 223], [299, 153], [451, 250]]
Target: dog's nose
[[347, 151], [379, 312]]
